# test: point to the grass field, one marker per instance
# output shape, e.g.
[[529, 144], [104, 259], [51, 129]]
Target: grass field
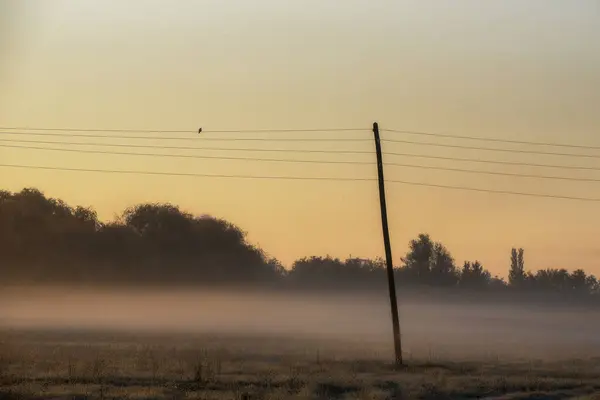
[[84, 365]]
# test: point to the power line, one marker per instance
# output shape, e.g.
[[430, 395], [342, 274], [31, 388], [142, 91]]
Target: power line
[[289, 139], [462, 188], [188, 155], [566, 167], [478, 160], [137, 172], [421, 133], [507, 192], [14, 128], [195, 131], [196, 137], [456, 146], [184, 147], [564, 178], [484, 139], [306, 161]]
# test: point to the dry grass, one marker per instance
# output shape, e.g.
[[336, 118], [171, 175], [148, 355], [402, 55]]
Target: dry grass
[[54, 366]]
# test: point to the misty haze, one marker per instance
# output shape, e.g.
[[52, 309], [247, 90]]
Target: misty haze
[[299, 199], [460, 330]]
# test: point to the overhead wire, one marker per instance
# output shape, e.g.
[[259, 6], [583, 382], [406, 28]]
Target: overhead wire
[[139, 172], [184, 147], [386, 153], [507, 192], [182, 131], [195, 131], [461, 188], [299, 150], [194, 156], [195, 137], [553, 177], [491, 139], [457, 146], [69, 132], [497, 162]]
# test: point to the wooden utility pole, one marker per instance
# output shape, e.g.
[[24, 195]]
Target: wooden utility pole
[[388, 249]]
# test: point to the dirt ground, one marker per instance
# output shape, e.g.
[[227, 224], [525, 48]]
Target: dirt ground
[[109, 365]]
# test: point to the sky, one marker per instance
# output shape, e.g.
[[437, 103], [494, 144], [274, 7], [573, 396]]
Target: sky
[[513, 69]]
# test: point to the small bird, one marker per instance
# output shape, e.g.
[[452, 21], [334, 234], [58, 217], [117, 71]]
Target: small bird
[[199, 130]]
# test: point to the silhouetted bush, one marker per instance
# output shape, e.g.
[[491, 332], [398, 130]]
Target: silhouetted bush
[[44, 240]]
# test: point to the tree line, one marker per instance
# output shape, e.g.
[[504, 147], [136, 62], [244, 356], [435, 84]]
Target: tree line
[[44, 240]]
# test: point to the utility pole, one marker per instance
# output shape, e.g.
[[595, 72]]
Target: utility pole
[[388, 248]]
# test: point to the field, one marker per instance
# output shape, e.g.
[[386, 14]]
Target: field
[[47, 364]]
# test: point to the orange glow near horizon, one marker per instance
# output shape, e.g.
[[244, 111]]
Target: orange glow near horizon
[[512, 69]]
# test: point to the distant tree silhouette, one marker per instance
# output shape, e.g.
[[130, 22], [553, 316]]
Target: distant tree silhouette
[[204, 248], [516, 274], [443, 270], [561, 281], [579, 281], [474, 276], [37, 232], [417, 261], [429, 263], [327, 272], [593, 285], [497, 283], [553, 280], [45, 240]]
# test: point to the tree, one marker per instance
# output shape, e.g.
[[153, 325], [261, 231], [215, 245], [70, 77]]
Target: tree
[[593, 285], [497, 283], [516, 275], [429, 263], [474, 276], [443, 272], [333, 273], [552, 280], [561, 281], [45, 239], [416, 263], [579, 282]]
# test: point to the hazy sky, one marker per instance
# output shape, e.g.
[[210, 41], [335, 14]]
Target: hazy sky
[[515, 69]]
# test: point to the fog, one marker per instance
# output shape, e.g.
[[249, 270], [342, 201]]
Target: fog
[[438, 329]]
